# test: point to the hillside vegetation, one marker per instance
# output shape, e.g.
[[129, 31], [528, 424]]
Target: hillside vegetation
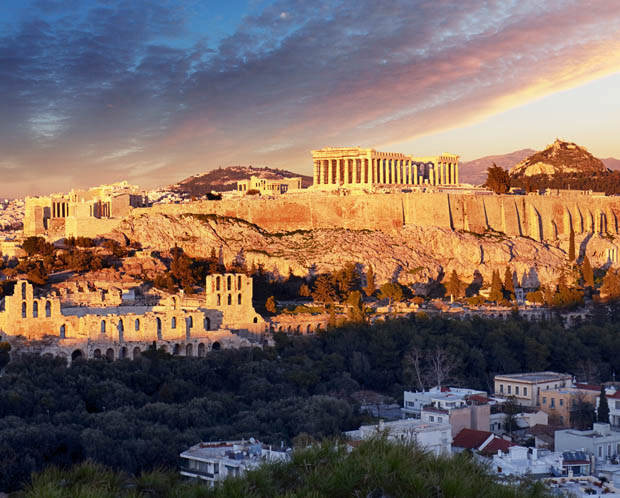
[[376, 468]]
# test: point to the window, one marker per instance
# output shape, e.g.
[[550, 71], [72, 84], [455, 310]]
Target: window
[[48, 309], [617, 405], [600, 451], [229, 299], [552, 400], [219, 300], [217, 283], [439, 419], [525, 391], [561, 402], [431, 418], [238, 298], [173, 322], [509, 389], [103, 326], [501, 388], [544, 400], [35, 310], [229, 281], [24, 309], [137, 324], [517, 390], [239, 282]]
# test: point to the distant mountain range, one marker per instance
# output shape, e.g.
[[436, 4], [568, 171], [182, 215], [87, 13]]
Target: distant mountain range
[[475, 171], [225, 179]]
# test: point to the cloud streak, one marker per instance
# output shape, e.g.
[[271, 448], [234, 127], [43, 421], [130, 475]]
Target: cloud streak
[[125, 85]]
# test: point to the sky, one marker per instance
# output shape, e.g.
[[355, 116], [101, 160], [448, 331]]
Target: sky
[[153, 91]]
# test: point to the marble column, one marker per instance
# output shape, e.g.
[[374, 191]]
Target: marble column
[[316, 172], [392, 171], [329, 172], [415, 174], [456, 173], [346, 171]]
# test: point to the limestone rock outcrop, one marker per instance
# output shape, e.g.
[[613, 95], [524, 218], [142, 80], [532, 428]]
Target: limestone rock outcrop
[[558, 158], [414, 255]]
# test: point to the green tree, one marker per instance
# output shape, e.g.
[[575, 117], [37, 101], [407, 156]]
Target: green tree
[[509, 286], [324, 291], [511, 408], [391, 291], [496, 294], [304, 290], [571, 245], [356, 312], [498, 179], [371, 286], [602, 414], [611, 284], [587, 273], [454, 286]]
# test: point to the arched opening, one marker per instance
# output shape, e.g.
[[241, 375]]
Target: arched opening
[[189, 350], [318, 327], [229, 299], [158, 320], [24, 309], [216, 346], [122, 354], [77, 355], [137, 324], [229, 282], [201, 350], [308, 329], [239, 283], [255, 319], [190, 321], [177, 349], [238, 298], [188, 327], [121, 330], [97, 353], [109, 354], [103, 326], [217, 283], [173, 322], [207, 323], [35, 309], [219, 300], [289, 329], [280, 328], [48, 309], [63, 331], [136, 353]]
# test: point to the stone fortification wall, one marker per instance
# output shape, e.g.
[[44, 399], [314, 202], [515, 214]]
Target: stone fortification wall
[[539, 217]]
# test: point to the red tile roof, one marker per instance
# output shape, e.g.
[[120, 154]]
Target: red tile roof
[[496, 445], [470, 438], [478, 398], [588, 387]]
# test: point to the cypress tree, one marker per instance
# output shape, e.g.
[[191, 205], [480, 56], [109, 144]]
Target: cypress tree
[[571, 245], [496, 287], [587, 273], [371, 286], [509, 285], [603, 407]]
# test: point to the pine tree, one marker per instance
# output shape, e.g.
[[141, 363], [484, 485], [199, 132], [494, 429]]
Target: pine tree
[[571, 245], [323, 290], [603, 407], [371, 286], [611, 284], [587, 273], [496, 293]]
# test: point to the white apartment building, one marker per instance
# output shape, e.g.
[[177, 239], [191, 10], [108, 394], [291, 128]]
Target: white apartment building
[[444, 399], [527, 387], [436, 438], [602, 442], [216, 461], [521, 461]]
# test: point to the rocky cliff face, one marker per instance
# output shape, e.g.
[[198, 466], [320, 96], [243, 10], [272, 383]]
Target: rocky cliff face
[[558, 158], [415, 255]]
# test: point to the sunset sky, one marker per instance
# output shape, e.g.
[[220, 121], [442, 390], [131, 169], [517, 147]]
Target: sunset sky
[[95, 91]]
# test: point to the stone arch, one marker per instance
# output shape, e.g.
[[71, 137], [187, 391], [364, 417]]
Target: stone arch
[[48, 309], [158, 321], [97, 353], [77, 355], [23, 289], [188, 327], [298, 328], [217, 283], [207, 323], [103, 326], [189, 350], [122, 354], [216, 346], [229, 299], [121, 330], [239, 298], [137, 324], [176, 350], [238, 282], [219, 300], [318, 327], [229, 283], [136, 353], [174, 302], [62, 333], [201, 350], [309, 328], [173, 322], [109, 354], [35, 309], [23, 309]]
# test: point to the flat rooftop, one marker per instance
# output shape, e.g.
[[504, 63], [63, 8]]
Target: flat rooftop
[[534, 376]]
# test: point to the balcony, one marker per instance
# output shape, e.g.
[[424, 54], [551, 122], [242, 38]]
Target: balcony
[[196, 472]]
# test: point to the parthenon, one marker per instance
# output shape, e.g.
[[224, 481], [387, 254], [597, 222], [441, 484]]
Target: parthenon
[[358, 167]]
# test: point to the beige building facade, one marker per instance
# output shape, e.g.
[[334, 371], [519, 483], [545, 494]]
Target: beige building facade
[[528, 388], [269, 187], [118, 328], [85, 213], [358, 167]]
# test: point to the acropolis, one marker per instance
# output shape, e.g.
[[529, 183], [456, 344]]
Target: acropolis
[[359, 167]]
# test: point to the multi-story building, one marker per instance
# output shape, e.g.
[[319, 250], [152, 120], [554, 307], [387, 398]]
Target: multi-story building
[[442, 398], [433, 437], [522, 461], [561, 403], [613, 401], [266, 186], [527, 387], [602, 442], [216, 461]]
